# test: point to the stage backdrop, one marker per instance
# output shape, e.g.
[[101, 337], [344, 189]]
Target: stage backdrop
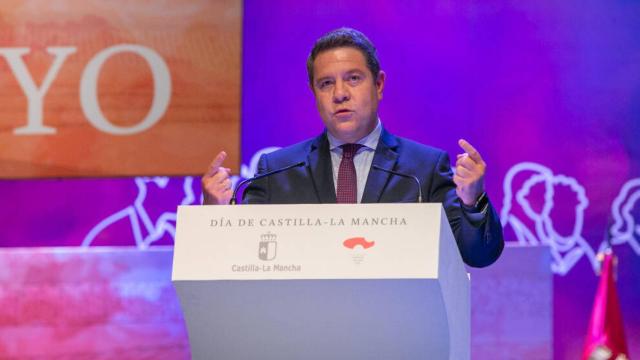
[[117, 88], [548, 92]]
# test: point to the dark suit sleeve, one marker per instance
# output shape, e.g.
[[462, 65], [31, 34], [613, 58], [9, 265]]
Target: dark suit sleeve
[[257, 192], [480, 242]]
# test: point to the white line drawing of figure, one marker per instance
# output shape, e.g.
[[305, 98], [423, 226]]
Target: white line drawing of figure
[[625, 212], [138, 215], [537, 226], [144, 230]]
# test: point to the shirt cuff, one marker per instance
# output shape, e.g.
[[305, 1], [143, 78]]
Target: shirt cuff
[[477, 213]]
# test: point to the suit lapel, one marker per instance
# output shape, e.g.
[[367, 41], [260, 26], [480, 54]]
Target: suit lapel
[[321, 169], [386, 158]]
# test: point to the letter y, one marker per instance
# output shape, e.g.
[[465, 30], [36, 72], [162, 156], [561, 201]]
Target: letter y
[[35, 95]]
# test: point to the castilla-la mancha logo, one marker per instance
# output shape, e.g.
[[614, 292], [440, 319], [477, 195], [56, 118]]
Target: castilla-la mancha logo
[[358, 246], [267, 247]]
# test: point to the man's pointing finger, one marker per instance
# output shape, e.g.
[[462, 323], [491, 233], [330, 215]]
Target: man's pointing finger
[[216, 163], [469, 149]]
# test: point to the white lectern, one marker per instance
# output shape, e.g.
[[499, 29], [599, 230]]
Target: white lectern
[[374, 281]]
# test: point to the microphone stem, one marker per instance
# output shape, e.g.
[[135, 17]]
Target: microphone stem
[[405, 176], [234, 200]]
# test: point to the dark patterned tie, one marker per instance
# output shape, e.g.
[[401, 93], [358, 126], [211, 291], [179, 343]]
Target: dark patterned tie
[[347, 192]]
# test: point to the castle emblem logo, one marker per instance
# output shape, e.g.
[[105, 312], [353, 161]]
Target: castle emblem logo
[[267, 247]]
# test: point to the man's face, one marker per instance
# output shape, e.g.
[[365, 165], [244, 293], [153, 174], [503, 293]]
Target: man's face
[[346, 92]]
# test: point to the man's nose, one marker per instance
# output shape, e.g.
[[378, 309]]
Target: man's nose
[[341, 93]]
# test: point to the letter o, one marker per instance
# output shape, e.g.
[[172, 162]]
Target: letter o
[[89, 89]]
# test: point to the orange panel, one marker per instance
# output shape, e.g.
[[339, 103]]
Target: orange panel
[[134, 87]]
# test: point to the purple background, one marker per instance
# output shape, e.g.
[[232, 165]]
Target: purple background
[[552, 83], [555, 83]]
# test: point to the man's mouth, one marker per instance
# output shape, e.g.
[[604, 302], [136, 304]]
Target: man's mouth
[[342, 112]]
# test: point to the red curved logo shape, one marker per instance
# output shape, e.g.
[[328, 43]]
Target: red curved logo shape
[[353, 242]]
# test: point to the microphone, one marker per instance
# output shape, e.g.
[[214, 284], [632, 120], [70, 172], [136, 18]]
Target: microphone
[[403, 175], [260, 176]]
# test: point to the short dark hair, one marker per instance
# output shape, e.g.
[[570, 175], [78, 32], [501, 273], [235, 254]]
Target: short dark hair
[[345, 37]]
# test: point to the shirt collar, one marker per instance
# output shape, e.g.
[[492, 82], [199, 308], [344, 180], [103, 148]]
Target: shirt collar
[[370, 141]]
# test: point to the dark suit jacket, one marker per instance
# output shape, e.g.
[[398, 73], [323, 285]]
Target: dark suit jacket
[[480, 243]]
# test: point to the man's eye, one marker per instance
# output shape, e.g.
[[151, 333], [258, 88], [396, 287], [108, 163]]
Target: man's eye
[[324, 84], [354, 78]]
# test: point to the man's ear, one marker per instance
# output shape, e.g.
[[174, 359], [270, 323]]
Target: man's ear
[[380, 83]]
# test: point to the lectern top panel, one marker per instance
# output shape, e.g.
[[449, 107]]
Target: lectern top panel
[[329, 241]]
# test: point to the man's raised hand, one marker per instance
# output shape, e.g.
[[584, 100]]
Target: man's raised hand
[[216, 182], [469, 176]]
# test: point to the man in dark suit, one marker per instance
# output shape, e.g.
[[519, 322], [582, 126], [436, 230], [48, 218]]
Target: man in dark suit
[[347, 163]]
